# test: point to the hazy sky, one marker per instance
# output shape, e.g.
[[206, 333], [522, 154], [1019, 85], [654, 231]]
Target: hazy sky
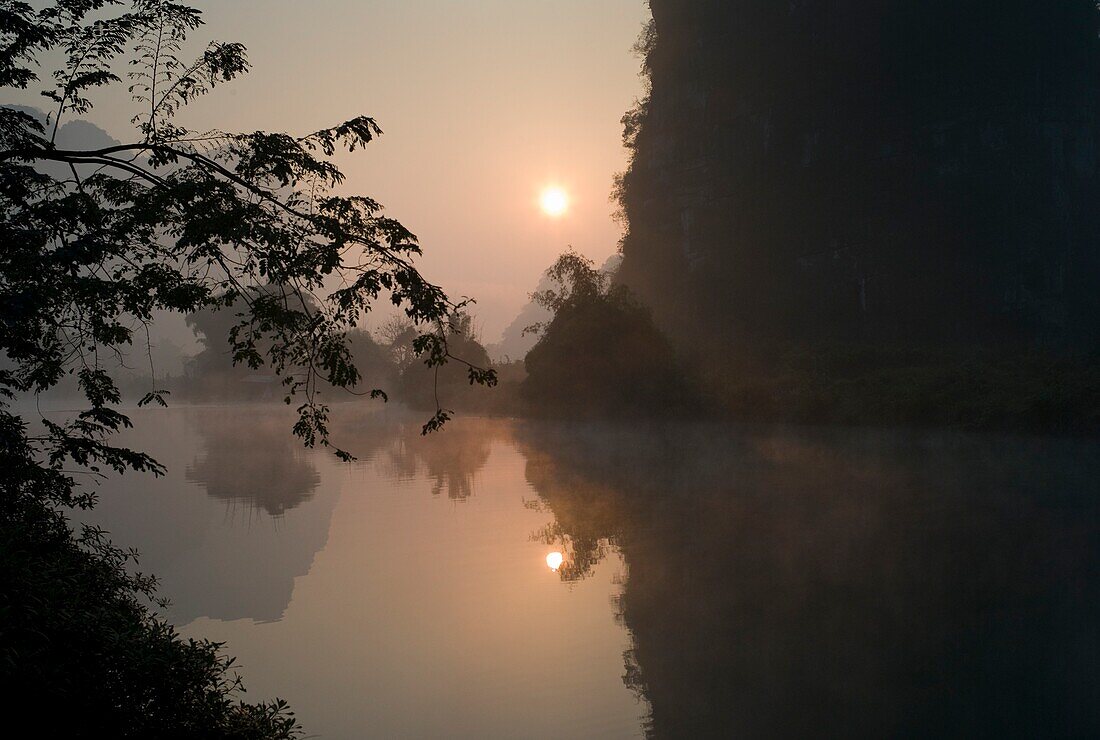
[[483, 103]]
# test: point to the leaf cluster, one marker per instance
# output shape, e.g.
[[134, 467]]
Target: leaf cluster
[[178, 220], [182, 220]]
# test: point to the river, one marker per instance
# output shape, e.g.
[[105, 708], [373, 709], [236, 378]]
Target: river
[[713, 580]]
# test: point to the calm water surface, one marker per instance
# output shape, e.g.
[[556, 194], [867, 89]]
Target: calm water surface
[[715, 581]]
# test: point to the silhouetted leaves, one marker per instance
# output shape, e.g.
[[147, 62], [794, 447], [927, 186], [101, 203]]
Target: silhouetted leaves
[[182, 220], [172, 220], [83, 655]]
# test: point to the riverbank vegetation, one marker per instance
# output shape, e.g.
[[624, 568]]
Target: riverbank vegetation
[[601, 354], [910, 385], [82, 645]]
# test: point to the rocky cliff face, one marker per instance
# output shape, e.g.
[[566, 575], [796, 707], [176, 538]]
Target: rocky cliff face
[[857, 170]]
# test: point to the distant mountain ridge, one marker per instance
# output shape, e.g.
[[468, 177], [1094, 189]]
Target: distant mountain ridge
[[173, 341], [73, 134]]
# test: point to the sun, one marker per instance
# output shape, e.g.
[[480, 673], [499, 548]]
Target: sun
[[554, 202], [554, 560]]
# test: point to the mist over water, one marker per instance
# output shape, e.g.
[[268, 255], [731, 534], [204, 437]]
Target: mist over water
[[715, 580], [744, 385], [403, 595]]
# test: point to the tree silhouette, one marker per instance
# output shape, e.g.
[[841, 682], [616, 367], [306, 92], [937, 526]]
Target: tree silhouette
[[96, 241], [181, 220], [627, 365]]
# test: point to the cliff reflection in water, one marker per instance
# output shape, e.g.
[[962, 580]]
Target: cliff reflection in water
[[807, 583], [234, 553]]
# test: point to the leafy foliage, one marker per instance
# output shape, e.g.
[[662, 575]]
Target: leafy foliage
[[424, 384], [579, 281], [174, 220], [181, 220], [81, 651]]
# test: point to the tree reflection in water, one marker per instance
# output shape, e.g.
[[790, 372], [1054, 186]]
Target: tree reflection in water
[[249, 458], [450, 458], [785, 583]]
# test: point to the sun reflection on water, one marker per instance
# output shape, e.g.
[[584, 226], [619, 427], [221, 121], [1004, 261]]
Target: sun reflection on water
[[554, 560]]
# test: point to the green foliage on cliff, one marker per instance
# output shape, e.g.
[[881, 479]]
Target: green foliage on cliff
[[867, 212]]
